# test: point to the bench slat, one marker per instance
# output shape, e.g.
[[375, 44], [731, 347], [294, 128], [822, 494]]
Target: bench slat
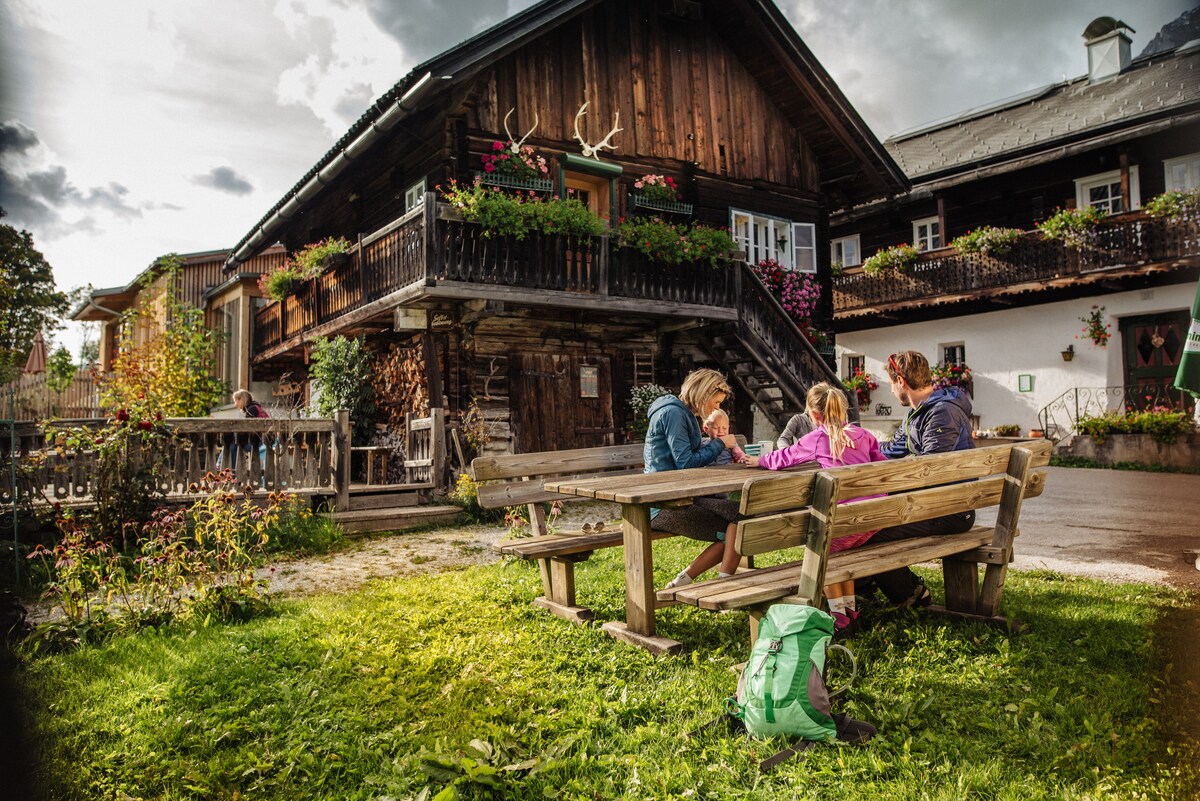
[[762, 586], [550, 545], [516, 493], [759, 497], [790, 530], [579, 460]]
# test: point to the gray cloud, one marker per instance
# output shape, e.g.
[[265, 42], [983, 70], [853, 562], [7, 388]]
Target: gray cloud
[[425, 28], [36, 197], [224, 179]]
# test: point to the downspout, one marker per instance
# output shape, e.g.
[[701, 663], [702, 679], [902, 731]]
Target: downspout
[[388, 120]]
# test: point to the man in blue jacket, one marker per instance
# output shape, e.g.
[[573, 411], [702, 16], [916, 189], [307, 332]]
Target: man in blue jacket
[[938, 421]]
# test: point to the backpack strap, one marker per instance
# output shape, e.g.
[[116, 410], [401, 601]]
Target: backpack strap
[[768, 662], [792, 750], [853, 669]]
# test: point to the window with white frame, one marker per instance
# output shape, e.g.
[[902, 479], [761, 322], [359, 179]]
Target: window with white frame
[[1104, 191], [845, 251], [927, 234], [414, 195], [1182, 173], [793, 245], [855, 364], [954, 354]]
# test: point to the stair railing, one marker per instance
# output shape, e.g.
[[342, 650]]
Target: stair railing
[[766, 327]]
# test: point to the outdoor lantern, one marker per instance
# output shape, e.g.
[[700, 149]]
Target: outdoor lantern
[[1069, 353]]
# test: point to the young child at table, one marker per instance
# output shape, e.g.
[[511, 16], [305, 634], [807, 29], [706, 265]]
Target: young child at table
[[834, 442], [716, 425]]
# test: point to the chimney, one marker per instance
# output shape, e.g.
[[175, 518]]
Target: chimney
[[1107, 46]]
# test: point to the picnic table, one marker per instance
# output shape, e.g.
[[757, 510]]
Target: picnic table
[[637, 494]]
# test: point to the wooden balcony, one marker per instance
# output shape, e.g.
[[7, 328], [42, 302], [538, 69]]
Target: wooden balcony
[[1127, 244], [429, 256]]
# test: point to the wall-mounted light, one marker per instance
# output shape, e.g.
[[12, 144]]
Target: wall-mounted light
[[1069, 353]]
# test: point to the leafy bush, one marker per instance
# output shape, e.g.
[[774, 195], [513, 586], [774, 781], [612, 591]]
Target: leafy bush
[[988, 241], [311, 260], [294, 529], [640, 399], [669, 243], [514, 214], [1076, 228], [281, 282], [897, 258], [1175, 206], [60, 370], [340, 369], [1007, 430], [1162, 423]]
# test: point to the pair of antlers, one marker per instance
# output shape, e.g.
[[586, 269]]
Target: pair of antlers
[[593, 151], [515, 147]]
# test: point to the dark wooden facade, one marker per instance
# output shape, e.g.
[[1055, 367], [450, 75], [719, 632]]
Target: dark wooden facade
[[712, 93]]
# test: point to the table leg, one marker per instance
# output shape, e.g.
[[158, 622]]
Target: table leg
[[638, 628]]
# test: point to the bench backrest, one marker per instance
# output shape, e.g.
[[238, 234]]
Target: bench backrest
[[805, 510], [512, 480]]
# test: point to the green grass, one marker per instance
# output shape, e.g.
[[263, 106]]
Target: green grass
[[338, 697]]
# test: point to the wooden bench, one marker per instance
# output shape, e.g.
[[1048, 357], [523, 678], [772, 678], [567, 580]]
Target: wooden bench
[[804, 511], [517, 480]]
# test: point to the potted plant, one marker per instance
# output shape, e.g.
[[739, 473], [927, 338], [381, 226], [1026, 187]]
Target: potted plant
[[951, 375], [282, 281], [516, 165], [669, 243], [987, 241], [1176, 206], [862, 383], [659, 192], [1094, 327], [1007, 430], [314, 259], [1076, 228]]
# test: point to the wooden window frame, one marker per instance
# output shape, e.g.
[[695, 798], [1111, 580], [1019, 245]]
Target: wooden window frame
[[932, 240], [854, 361], [415, 194], [837, 250], [777, 229], [1084, 185], [1191, 167]]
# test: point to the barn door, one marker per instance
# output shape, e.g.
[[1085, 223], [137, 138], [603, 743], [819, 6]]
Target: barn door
[[1153, 346], [560, 401]]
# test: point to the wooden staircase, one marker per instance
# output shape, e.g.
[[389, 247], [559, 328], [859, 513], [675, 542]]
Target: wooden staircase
[[767, 356]]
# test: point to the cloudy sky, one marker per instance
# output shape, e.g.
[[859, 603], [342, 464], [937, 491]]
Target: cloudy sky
[[137, 128]]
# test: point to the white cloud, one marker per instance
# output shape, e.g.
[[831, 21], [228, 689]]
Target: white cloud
[[350, 63]]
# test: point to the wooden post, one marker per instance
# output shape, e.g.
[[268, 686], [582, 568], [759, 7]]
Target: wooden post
[[941, 216], [437, 443], [603, 245], [816, 546], [341, 459], [1006, 528], [429, 237]]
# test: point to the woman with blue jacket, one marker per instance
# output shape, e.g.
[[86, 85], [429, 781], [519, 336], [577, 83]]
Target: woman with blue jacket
[[673, 442]]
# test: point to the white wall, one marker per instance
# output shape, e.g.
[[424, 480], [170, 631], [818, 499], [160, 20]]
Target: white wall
[[1002, 345]]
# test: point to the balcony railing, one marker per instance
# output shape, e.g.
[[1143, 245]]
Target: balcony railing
[[424, 249], [1124, 241]]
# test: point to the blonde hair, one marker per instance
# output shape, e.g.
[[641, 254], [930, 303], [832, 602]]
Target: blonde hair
[[830, 402], [912, 366], [700, 385], [243, 395], [714, 416]]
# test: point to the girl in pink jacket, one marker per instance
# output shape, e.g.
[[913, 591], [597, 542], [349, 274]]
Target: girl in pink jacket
[[833, 443]]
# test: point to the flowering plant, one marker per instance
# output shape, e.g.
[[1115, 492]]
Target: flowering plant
[[675, 244], [798, 294], [1175, 206], [516, 214], [988, 240], [862, 383], [1075, 227], [951, 375], [1094, 327], [521, 164], [898, 258], [640, 399], [658, 187]]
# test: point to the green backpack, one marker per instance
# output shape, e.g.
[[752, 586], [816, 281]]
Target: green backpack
[[782, 690]]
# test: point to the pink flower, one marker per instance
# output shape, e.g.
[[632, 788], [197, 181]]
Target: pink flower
[[497, 145], [489, 167]]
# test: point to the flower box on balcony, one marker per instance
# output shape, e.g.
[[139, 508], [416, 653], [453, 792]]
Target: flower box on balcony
[[514, 182], [665, 206]]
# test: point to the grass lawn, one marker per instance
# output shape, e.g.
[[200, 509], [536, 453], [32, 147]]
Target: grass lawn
[[380, 693]]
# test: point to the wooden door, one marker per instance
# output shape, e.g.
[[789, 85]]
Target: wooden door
[[548, 407], [1153, 346]]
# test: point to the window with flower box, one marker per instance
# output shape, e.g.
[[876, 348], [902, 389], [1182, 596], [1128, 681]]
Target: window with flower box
[[855, 364]]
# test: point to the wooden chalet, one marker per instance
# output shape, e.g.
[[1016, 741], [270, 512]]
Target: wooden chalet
[[1115, 138], [548, 335]]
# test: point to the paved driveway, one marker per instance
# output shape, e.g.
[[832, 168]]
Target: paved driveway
[[1112, 524]]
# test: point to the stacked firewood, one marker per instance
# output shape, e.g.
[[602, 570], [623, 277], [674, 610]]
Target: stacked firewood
[[400, 384]]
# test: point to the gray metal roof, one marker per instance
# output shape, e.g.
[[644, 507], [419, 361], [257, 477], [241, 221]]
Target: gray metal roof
[[1154, 87]]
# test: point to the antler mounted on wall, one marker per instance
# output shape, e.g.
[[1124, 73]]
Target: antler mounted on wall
[[593, 151], [516, 144]]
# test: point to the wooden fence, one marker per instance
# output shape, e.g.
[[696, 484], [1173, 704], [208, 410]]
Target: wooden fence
[[34, 400], [308, 456]]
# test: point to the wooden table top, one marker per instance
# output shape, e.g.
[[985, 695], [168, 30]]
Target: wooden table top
[[667, 485]]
